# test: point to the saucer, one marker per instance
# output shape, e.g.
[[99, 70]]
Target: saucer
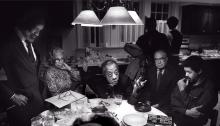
[[134, 120]]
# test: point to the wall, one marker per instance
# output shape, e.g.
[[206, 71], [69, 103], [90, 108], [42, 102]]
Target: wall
[[79, 36], [204, 41]]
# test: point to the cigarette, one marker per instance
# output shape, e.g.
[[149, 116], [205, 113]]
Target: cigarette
[[10, 107], [187, 82]]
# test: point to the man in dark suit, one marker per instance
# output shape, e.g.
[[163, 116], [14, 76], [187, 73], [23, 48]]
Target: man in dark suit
[[19, 60], [161, 79], [111, 82]]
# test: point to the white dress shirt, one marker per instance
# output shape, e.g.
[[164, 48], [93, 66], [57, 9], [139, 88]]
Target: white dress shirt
[[21, 36]]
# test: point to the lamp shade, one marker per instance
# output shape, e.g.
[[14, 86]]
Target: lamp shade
[[117, 16], [136, 18], [87, 18]]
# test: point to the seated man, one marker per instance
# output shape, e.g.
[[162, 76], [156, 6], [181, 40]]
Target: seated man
[[194, 96], [111, 82], [161, 79]]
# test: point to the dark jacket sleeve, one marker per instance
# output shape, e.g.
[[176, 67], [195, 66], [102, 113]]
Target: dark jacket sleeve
[[5, 55], [177, 102], [209, 98], [177, 74], [142, 95]]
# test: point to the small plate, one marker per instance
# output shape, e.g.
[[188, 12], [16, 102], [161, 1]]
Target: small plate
[[134, 120]]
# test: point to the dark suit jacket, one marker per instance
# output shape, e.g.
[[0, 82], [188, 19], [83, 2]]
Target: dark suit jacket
[[22, 75], [168, 81]]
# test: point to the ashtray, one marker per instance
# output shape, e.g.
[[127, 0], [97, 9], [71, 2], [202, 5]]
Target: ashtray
[[99, 109], [142, 107]]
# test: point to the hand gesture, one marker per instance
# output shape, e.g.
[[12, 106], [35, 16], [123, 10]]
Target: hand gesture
[[182, 84], [155, 105], [138, 84], [66, 67], [193, 112], [20, 99]]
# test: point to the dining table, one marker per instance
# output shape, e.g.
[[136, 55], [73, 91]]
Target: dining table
[[84, 109]]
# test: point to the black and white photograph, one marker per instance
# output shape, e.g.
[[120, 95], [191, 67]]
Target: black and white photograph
[[109, 63]]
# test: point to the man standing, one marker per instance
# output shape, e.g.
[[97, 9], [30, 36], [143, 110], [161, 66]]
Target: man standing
[[161, 80], [175, 39], [194, 96], [19, 60], [152, 40]]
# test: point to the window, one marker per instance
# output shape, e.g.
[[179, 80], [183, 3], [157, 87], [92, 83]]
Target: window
[[159, 10]]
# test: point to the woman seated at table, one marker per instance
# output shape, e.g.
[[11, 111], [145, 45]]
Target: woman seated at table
[[60, 77]]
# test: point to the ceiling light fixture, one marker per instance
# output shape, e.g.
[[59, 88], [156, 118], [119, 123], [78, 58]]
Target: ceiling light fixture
[[116, 14], [87, 18]]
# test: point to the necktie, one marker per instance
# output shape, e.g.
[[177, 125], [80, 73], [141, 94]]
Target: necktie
[[158, 79], [30, 51]]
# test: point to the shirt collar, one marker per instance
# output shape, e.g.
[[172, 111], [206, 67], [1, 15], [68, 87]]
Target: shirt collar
[[20, 34], [162, 70]]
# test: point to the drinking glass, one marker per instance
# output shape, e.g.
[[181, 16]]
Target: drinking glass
[[118, 99], [36, 121], [49, 119]]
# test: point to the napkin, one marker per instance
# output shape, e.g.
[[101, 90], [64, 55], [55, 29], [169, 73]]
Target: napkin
[[66, 98]]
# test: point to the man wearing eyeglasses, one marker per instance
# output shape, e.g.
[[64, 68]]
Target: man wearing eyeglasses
[[19, 60], [194, 96], [161, 79], [111, 82]]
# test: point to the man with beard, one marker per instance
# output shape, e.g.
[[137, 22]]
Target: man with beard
[[194, 96]]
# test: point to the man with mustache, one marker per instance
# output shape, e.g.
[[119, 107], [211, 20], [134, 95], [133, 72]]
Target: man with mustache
[[194, 96]]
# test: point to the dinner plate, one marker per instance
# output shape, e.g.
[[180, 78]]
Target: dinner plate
[[134, 120]]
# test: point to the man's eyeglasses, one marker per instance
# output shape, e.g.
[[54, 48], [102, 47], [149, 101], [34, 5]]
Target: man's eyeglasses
[[159, 59], [110, 74]]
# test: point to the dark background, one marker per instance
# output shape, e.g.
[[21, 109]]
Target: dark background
[[58, 16]]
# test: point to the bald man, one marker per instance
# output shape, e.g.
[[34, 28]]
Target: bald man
[[161, 79]]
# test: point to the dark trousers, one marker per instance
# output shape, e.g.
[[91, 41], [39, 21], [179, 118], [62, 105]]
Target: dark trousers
[[183, 120], [21, 115], [18, 116]]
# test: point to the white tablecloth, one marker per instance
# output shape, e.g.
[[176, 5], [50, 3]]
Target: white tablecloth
[[82, 110]]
